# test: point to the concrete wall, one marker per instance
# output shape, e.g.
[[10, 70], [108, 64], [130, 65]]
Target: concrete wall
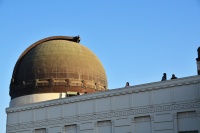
[[160, 107]]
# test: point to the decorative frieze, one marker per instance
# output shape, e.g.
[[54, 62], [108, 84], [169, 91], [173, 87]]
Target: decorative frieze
[[108, 115]]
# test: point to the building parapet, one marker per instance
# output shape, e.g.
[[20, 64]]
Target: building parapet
[[110, 93]]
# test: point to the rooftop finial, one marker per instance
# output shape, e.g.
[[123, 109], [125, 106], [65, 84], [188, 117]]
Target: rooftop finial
[[198, 51], [198, 61]]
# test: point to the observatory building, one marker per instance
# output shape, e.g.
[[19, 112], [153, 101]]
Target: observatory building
[[60, 86]]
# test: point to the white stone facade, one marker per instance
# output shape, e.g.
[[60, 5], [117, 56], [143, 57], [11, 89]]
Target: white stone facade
[[171, 106], [35, 98]]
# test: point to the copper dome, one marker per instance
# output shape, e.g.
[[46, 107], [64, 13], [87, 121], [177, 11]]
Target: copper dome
[[57, 64]]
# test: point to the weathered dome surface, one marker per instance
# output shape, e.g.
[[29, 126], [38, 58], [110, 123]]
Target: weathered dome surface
[[55, 65]]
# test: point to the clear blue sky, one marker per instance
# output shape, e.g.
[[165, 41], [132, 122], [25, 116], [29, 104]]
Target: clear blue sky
[[136, 40]]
